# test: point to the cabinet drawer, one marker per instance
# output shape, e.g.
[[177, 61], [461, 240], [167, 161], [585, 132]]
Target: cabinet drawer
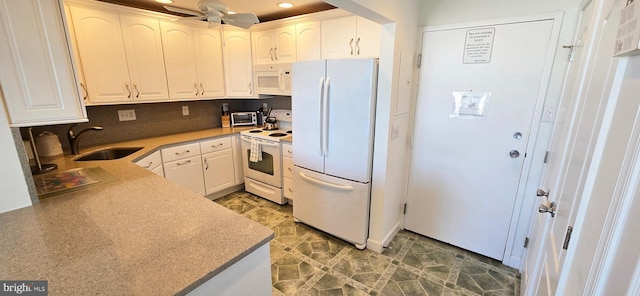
[[151, 161], [287, 150], [180, 152], [216, 144], [287, 188], [287, 167]]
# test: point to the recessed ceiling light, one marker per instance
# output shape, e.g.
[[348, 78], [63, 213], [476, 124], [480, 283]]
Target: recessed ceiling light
[[165, 1], [285, 5], [231, 12]]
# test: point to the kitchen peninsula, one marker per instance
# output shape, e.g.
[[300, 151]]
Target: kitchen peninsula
[[138, 235]]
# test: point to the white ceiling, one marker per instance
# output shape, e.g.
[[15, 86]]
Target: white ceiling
[[266, 10]]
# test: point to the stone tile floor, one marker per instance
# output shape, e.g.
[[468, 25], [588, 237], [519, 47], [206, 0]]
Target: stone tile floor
[[305, 261]]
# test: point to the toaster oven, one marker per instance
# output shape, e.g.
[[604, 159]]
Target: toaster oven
[[243, 118]]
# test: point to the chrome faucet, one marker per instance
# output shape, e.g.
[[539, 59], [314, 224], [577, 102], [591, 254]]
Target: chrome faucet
[[75, 138]]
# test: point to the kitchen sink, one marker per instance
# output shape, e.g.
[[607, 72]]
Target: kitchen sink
[[109, 153]]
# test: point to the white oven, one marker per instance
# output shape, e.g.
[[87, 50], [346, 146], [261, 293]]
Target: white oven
[[263, 177]]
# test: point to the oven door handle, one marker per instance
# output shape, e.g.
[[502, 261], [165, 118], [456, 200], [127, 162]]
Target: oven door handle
[[263, 142], [326, 184]]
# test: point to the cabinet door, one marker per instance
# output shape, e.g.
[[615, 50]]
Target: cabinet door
[[186, 172], [36, 72], [285, 44], [339, 38], [208, 51], [238, 70], [263, 47], [368, 38], [308, 41], [180, 61], [145, 60], [218, 171], [101, 48], [237, 159], [159, 170], [150, 161]]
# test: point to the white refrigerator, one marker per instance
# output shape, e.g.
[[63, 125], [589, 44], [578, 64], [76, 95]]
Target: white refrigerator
[[333, 106]]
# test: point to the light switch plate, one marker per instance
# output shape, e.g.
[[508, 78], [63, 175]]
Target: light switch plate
[[126, 115], [185, 110]]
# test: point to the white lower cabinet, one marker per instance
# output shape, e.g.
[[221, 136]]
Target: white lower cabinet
[[217, 164], [237, 159], [183, 165], [287, 171], [152, 162], [186, 172]]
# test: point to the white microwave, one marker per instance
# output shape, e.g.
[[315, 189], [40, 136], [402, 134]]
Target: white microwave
[[273, 79]]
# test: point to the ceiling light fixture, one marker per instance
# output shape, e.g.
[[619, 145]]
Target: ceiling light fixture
[[285, 5], [165, 1], [231, 12]]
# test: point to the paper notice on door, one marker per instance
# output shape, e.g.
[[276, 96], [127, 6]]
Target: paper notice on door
[[468, 105], [478, 46]]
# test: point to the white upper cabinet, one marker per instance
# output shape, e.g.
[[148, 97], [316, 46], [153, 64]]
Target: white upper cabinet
[[308, 41], [350, 37], [180, 61], [122, 57], [238, 68], [145, 58], [275, 46], [36, 71], [208, 51]]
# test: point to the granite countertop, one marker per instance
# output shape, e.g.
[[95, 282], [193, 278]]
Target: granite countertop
[[139, 235]]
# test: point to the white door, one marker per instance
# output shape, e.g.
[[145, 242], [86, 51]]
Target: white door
[[573, 144], [208, 50], [180, 61], [263, 47], [218, 170], [186, 172], [465, 170], [284, 50], [101, 48], [238, 68], [338, 38], [367, 43], [308, 42], [143, 47]]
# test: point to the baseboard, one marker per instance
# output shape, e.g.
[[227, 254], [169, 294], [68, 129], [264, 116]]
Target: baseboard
[[224, 192], [377, 246], [514, 262]]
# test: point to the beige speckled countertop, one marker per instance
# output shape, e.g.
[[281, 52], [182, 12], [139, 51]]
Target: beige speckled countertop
[[139, 235]]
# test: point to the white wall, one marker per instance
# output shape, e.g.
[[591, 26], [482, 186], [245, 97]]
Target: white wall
[[14, 193], [449, 12], [390, 163]]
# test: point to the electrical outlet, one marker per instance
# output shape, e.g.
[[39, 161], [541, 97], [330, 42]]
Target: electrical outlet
[[265, 107], [126, 115], [225, 107], [185, 110]]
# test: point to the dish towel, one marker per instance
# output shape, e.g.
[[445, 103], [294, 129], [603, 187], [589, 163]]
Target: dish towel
[[256, 151]]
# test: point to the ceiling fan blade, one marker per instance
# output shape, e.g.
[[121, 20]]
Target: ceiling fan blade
[[183, 11], [242, 20]]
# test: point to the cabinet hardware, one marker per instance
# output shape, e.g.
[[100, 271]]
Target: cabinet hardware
[[271, 53], [275, 53], [351, 46], [290, 190], [206, 164], [135, 86], [195, 85], [126, 84], [148, 166], [290, 169], [218, 145], [86, 93], [184, 162], [202, 88], [250, 89], [181, 153], [358, 46]]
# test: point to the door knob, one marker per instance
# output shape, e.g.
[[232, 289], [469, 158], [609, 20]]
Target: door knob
[[517, 135], [514, 153], [541, 192], [551, 209]]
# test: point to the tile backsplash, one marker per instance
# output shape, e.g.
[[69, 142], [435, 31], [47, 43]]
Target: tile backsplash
[[153, 119]]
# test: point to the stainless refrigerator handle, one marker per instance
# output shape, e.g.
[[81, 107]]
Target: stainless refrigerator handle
[[325, 107]]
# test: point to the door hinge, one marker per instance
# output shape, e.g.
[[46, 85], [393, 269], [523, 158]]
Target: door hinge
[[404, 209], [567, 237], [546, 157], [419, 60], [526, 242], [570, 47]]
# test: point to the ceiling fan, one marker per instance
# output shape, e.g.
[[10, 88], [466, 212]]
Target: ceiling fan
[[216, 12]]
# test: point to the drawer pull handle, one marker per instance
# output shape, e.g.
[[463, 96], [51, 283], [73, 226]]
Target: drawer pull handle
[[184, 162], [148, 166], [218, 145], [289, 151], [290, 169], [183, 152], [290, 190]]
